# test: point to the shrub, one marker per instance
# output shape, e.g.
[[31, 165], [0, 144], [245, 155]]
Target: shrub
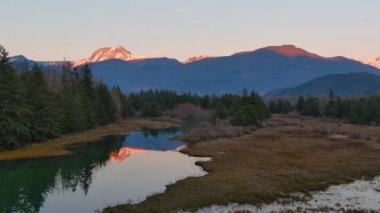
[[212, 132], [280, 106], [367, 138], [322, 131], [355, 136], [190, 112], [245, 116], [311, 107]]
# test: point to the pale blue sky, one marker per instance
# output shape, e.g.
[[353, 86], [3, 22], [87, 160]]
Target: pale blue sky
[[72, 29]]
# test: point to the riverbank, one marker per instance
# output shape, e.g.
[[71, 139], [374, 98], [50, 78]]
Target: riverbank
[[58, 146], [361, 196], [288, 155]]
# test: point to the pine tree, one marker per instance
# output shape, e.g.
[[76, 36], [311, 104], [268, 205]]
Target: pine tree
[[89, 97], [262, 111], [72, 109], [13, 110], [300, 103], [106, 110], [311, 107], [129, 111], [42, 102], [118, 101], [245, 116], [150, 110]]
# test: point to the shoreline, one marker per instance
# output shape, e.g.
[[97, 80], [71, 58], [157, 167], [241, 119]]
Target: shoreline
[[360, 195], [59, 147], [281, 170]]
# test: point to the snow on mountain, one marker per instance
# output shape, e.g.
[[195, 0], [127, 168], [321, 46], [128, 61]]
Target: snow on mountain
[[375, 63], [107, 53], [262, 70], [196, 58]]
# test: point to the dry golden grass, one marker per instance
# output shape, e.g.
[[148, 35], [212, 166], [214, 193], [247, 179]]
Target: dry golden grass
[[284, 157], [208, 131], [57, 147]]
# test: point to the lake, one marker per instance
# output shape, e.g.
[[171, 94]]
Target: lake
[[117, 169]]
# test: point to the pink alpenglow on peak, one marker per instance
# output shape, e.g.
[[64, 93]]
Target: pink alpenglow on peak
[[196, 58], [375, 63], [107, 53], [285, 50]]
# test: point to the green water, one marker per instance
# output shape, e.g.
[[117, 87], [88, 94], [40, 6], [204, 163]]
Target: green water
[[117, 169]]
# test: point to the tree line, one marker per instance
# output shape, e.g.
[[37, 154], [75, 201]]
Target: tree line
[[37, 105], [32, 111], [244, 109], [356, 110]]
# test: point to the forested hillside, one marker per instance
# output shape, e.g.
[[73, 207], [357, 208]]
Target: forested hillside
[[351, 84], [38, 104], [357, 110], [33, 109]]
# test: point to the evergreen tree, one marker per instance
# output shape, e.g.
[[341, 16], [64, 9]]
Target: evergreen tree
[[245, 116], [106, 109], [13, 110], [119, 102], [311, 107], [150, 110], [220, 111], [42, 103], [72, 110], [86, 81], [331, 95], [300, 103], [129, 111], [89, 97], [280, 106], [259, 106]]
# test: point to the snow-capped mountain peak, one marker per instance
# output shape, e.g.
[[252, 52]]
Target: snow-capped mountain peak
[[375, 63], [196, 58], [107, 53]]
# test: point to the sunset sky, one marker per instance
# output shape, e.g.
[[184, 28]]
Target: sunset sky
[[72, 29]]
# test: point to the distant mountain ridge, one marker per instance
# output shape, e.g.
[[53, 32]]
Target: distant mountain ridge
[[285, 50], [21, 62], [263, 70], [351, 84]]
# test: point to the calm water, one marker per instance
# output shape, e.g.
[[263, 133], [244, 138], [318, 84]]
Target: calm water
[[118, 169]]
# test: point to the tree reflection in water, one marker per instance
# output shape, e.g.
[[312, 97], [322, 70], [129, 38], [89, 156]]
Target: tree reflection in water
[[25, 184]]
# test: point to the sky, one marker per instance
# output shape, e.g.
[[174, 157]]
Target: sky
[[73, 29]]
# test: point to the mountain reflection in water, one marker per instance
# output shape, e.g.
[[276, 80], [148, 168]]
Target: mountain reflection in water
[[137, 143], [113, 170]]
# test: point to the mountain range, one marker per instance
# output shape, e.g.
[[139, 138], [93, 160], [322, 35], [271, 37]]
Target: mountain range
[[351, 84], [263, 70]]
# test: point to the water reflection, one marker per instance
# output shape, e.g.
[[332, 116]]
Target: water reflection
[[145, 141], [115, 170]]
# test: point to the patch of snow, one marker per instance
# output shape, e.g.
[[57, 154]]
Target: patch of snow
[[375, 63], [196, 58], [360, 195], [106, 53]]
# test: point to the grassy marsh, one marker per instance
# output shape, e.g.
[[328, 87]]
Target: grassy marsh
[[286, 156]]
